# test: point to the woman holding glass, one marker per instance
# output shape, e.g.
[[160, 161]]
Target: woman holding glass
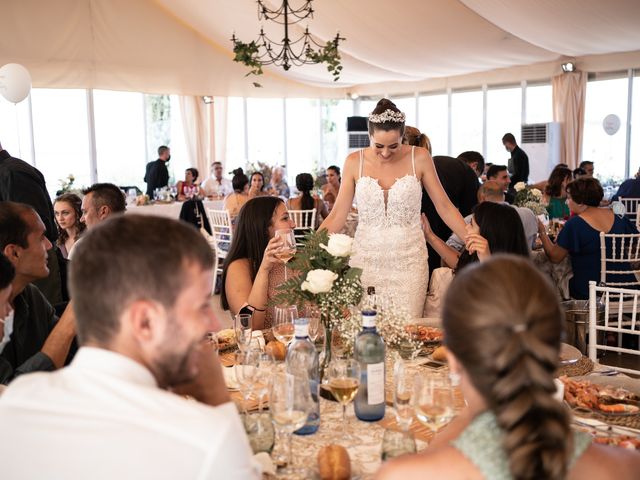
[[255, 264], [503, 340], [187, 188]]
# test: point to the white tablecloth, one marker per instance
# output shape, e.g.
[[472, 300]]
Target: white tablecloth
[[171, 210]]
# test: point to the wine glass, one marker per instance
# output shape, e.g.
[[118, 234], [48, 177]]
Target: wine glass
[[243, 328], [338, 347], [402, 396], [433, 400], [344, 380], [290, 403], [283, 317], [246, 370], [288, 248], [315, 324], [266, 367]]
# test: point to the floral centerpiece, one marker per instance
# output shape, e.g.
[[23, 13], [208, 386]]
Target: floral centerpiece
[[529, 198]]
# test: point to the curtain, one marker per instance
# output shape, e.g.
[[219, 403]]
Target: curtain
[[219, 119], [195, 125], [569, 92]]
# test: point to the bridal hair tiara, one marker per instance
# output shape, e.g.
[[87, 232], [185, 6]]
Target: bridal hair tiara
[[387, 116]]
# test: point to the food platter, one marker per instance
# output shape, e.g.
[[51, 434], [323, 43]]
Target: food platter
[[609, 396], [226, 339], [604, 434]]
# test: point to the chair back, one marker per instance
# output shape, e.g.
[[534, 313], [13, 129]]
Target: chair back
[[631, 207], [619, 255], [305, 221], [620, 318], [220, 221]]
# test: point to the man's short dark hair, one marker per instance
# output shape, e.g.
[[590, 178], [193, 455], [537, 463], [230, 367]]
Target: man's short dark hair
[[7, 272], [508, 137], [494, 170], [14, 228], [107, 194], [585, 163], [127, 258], [216, 163], [162, 149], [473, 156], [586, 191]]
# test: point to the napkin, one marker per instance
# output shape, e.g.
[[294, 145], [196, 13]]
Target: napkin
[[262, 463]]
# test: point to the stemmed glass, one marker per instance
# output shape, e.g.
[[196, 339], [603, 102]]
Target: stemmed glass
[[246, 370], [290, 403], [243, 328], [288, 248], [433, 400], [315, 324], [266, 366], [283, 328], [344, 379], [402, 395]]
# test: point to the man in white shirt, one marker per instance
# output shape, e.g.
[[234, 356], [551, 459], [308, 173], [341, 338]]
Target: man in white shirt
[[141, 287], [216, 186]]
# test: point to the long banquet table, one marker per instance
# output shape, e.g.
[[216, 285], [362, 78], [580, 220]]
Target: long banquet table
[[171, 210]]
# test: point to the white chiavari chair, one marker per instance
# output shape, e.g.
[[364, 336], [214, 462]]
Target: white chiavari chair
[[305, 221], [631, 206], [222, 230]]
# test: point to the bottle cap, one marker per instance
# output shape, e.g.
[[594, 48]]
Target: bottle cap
[[371, 290]]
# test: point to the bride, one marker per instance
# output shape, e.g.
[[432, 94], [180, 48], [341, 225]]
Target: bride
[[386, 180]]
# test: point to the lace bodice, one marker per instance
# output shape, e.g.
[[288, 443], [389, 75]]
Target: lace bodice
[[400, 208]]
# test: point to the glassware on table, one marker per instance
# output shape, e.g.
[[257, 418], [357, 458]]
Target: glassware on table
[[402, 396], [246, 370], [288, 248], [283, 317], [260, 431], [266, 367], [396, 443], [344, 380], [433, 400], [290, 403], [338, 347], [315, 322], [243, 328]]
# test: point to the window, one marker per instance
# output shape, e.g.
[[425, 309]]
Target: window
[[180, 157], [634, 157], [605, 97], [366, 107], [303, 137], [466, 122], [407, 105], [539, 104], [433, 121], [61, 136], [334, 131], [235, 156], [15, 129], [504, 107], [120, 137], [265, 124]]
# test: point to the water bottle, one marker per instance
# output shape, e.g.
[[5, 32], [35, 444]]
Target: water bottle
[[369, 352], [302, 358]]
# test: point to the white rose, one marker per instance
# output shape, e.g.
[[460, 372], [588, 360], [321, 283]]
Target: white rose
[[536, 193], [319, 281], [339, 245], [520, 186]]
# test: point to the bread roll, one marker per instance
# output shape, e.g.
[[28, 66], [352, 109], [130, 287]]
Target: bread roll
[[440, 354], [334, 463], [277, 349]]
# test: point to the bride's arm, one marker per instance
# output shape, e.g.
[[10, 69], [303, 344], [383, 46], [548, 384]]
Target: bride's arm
[[338, 216], [447, 211]]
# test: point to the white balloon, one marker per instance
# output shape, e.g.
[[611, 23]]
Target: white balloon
[[15, 82]]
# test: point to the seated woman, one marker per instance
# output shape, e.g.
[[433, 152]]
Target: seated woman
[[580, 236], [494, 228], [332, 187], [251, 271], [256, 185], [555, 193], [304, 200], [187, 188], [234, 201], [502, 324], [68, 210]]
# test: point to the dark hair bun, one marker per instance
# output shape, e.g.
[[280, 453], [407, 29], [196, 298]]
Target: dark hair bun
[[238, 171]]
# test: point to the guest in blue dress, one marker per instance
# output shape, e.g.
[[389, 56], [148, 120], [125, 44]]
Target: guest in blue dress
[[580, 237]]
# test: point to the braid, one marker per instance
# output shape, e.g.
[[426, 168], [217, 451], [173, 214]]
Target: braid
[[506, 334]]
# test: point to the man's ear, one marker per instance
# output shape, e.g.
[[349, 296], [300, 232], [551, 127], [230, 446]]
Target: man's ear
[[103, 212], [145, 319], [12, 252]]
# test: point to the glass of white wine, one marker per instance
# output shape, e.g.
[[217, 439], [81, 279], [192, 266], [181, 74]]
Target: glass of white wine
[[290, 402], [243, 328], [433, 400], [344, 380], [283, 318], [288, 248]]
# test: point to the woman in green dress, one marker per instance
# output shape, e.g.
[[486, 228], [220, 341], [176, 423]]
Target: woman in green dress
[[555, 193]]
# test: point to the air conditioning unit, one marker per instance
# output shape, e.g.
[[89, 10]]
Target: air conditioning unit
[[357, 133], [541, 143]]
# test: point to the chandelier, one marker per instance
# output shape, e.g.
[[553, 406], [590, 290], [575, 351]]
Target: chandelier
[[303, 51]]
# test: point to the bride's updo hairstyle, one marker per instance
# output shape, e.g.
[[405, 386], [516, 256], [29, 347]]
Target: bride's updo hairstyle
[[503, 322], [386, 116]]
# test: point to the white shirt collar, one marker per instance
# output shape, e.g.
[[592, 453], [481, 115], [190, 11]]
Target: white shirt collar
[[114, 364]]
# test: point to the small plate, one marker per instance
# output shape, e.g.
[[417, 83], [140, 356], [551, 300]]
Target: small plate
[[569, 354]]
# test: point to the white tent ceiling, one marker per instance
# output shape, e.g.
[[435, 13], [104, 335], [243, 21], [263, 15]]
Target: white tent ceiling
[[183, 46]]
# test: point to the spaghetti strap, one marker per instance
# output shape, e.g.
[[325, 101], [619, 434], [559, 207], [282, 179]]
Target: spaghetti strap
[[413, 160], [361, 162]]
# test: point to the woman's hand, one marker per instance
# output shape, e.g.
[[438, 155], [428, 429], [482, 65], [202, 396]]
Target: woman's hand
[[476, 243], [426, 227], [269, 258], [542, 230]]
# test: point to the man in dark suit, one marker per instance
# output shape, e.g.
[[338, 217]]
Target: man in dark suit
[[21, 182], [157, 175], [460, 182], [519, 162]]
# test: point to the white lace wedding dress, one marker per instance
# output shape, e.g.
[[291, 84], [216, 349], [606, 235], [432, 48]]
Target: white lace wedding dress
[[389, 244]]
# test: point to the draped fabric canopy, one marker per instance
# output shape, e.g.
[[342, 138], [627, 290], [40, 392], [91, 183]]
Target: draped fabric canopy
[[183, 47]]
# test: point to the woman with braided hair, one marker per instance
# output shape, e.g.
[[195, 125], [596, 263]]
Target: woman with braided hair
[[503, 340]]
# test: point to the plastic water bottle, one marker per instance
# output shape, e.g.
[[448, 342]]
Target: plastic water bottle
[[302, 358], [369, 352]]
